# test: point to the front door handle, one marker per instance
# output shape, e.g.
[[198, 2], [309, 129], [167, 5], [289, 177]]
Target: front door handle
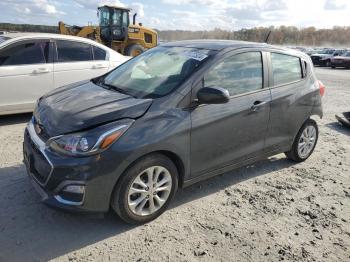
[[41, 71], [257, 105]]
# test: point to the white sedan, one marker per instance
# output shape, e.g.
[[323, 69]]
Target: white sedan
[[32, 64]]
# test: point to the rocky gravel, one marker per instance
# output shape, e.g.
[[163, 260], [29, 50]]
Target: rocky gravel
[[272, 211]]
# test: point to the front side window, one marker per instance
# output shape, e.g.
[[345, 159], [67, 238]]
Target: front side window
[[104, 16], [125, 18], [25, 53], [69, 51], [156, 72], [286, 68], [241, 73]]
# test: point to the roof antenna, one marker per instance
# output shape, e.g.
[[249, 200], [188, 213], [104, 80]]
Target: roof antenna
[[268, 37]]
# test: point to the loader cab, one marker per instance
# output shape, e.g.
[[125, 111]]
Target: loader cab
[[114, 23]]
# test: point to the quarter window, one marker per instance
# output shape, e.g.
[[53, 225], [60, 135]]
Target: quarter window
[[241, 73], [99, 53], [69, 51], [25, 53], [286, 68]]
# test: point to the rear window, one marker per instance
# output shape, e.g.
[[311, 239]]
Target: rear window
[[99, 53], [25, 53], [286, 68], [69, 51]]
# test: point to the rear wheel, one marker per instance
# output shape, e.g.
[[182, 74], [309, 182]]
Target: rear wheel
[[134, 50], [146, 189], [305, 142]]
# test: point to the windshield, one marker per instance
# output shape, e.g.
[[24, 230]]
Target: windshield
[[347, 54], [156, 72], [3, 39]]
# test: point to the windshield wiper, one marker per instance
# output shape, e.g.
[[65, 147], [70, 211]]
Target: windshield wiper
[[115, 88]]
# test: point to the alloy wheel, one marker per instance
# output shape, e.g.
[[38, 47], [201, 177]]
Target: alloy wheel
[[307, 141], [149, 191]]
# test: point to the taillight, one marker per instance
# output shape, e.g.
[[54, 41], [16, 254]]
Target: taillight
[[322, 88]]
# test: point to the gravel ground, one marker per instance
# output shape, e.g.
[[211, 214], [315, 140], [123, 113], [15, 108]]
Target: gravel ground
[[274, 210]]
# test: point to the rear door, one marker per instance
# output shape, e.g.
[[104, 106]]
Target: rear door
[[225, 134], [75, 62], [26, 73], [292, 91]]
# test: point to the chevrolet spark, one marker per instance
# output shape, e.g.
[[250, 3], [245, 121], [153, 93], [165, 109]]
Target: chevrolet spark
[[177, 114]]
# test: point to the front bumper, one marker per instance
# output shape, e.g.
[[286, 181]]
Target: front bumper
[[340, 63], [53, 176]]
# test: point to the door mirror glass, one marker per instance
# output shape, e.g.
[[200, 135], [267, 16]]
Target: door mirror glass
[[213, 95]]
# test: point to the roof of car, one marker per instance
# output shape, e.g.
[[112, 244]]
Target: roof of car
[[218, 45], [43, 35], [214, 44]]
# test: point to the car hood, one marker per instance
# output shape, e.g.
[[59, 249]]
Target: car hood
[[341, 58], [320, 55], [85, 105]]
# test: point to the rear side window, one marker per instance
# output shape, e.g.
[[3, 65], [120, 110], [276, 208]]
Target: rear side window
[[148, 38], [99, 53], [241, 73], [69, 51], [25, 53], [286, 68]]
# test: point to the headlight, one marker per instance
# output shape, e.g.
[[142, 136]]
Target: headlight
[[89, 142]]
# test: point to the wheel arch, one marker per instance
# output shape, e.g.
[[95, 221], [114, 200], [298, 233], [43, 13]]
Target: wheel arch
[[178, 162]]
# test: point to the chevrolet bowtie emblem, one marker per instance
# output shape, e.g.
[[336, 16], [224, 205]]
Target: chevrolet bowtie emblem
[[38, 129]]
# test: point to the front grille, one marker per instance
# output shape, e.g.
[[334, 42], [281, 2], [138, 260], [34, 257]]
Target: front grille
[[38, 164], [315, 59]]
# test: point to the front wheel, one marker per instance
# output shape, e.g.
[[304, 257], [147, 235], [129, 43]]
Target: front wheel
[[305, 142], [134, 50], [146, 189]]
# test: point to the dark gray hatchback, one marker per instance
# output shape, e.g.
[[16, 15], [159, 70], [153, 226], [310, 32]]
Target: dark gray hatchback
[[175, 115]]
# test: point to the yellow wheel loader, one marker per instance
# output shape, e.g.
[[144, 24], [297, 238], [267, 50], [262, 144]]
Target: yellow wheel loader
[[116, 32]]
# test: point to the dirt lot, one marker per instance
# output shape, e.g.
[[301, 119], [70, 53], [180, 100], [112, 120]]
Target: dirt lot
[[274, 210]]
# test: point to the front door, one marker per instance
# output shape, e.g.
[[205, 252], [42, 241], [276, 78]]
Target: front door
[[225, 134]]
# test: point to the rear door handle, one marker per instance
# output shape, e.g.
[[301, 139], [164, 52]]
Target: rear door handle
[[41, 71], [98, 66], [257, 105]]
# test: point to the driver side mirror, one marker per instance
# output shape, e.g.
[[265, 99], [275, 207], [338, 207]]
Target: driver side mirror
[[213, 95]]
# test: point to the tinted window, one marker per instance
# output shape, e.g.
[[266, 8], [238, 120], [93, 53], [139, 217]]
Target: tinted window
[[25, 53], [99, 54], [69, 51], [148, 38], [238, 74], [286, 68], [3, 39]]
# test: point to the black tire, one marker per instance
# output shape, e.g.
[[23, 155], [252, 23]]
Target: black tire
[[119, 201], [293, 153], [133, 49], [328, 63], [333, 66]]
